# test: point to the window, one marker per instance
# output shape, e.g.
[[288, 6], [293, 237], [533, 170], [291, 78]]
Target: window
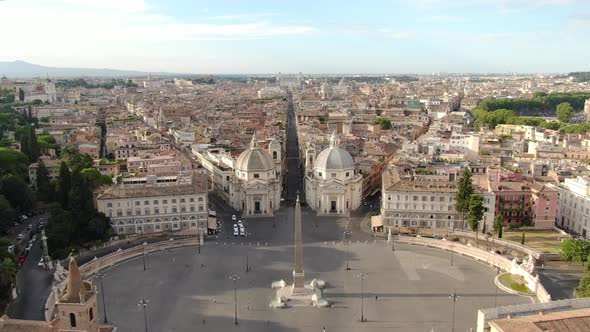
[[424, 198], [147, 211], [129, 213], [200, 208], [432, 198], [441, 199], [274, 155], [109, 204], [146, 203], [333, 175], [319, 173], [137, 212], [200, 199], [415, 198], [174, 201], [256, 175], [183, 209], [192, 209], [136, 203], [164, 201], [156, 211], [192, 200], [119, 213], [347, 174], [91, 314], [156, 202], [174, 210], [72, 320], [182, 200]]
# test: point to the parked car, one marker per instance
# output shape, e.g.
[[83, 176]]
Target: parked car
[[236, 230], [240, 222], [20, 236], [233, 217], [41, 262], [242, 230], [11, 249], [29, 227]]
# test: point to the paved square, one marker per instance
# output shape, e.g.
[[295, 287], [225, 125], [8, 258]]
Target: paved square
[[189, 292]]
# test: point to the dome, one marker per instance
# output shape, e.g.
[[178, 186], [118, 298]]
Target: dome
[[334, 158], [254, 159]]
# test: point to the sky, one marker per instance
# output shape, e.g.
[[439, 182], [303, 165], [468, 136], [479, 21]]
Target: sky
[[310, 36]]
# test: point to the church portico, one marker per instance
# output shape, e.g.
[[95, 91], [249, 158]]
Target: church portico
[[332, 187]]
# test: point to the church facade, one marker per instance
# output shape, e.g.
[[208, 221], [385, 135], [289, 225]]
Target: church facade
[[332, 187]]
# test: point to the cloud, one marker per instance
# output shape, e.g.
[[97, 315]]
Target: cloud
[[247, 16], [444, 19], [501, 6], [400, 35], [115, 26]]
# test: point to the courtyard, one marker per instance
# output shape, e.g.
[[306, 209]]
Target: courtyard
[[405, 290]]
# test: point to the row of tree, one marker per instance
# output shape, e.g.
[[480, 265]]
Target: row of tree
[[540, 104], [74, 222], [565, 112]]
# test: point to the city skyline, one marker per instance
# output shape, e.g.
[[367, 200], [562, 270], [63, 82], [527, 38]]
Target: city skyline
[[226, 38]]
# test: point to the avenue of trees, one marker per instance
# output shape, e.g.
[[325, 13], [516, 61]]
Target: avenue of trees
[[80, 82], [540, 104], [385, 123]]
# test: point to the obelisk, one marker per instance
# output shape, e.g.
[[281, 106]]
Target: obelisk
[[298, 275]]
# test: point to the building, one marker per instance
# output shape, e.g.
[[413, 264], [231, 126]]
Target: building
[[587, 109], [574, 206], [156, 204], [256, 185], [410, 199], [75, 309], [269, 93], [43, 91], [563, 316], [52, 166], [332, 187]]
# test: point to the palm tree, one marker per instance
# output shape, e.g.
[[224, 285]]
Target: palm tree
[[7, 271]]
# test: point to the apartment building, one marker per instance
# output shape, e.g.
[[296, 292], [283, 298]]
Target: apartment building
[[573, 212], [156, 204]]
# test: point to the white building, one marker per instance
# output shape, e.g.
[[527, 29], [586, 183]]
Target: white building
[[256, 186], [156, 204], [573, 212], [407, 202], [331, 185], [252, 182], [272, 92]]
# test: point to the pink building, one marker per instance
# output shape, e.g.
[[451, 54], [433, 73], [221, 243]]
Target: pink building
[[513, 197], [545, 200]]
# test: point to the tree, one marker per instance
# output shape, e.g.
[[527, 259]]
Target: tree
[[7, 271], [583, 289], [498, 225], [475, 212], [7, 214], [463, 195], [522, 239], [483, 228], [565, 112], [28, 143], [17, 192], [574, 250], [63, 184], [385, 123], [43, 184]]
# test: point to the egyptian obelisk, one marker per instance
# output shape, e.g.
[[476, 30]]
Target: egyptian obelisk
[[298, 275]]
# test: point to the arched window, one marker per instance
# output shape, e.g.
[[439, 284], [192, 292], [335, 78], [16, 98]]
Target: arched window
[[72, 320], [91, 314], [274, 155]]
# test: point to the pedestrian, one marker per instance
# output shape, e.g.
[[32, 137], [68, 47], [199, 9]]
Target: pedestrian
[[375, 297], [214, 300], [324, 329]]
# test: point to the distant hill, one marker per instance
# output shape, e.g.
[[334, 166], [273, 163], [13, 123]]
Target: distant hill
[[583, 76], [22, 69]]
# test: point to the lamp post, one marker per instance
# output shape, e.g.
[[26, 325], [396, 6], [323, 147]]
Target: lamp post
[[235, 278], [346, 234], [453, 297], [247, 266], [144, 246], [100, 275], [362, 276], [143, 305]]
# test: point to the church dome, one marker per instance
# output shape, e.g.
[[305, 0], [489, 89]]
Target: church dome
[[254, 159], [334, 158]]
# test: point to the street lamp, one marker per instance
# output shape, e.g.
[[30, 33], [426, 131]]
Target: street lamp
[[235, 278], [362, 276], [100, 275], [144, 246], [247, 266], [453, 297], [346, 234], [143, 305]]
